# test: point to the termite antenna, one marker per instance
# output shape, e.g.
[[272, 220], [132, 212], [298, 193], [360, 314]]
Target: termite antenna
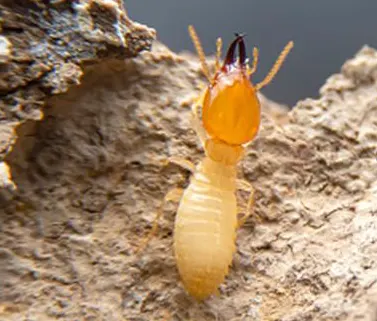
[[255, 62], [199, 50], [275, 67], [219, 45]]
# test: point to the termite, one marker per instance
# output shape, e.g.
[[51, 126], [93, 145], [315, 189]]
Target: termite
[[207, 216]]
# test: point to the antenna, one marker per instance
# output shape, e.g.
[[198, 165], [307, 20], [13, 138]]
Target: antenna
[[275, 67]]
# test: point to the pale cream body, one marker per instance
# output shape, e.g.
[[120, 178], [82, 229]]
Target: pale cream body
[[205, 228]]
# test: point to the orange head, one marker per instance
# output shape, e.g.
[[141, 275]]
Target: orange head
[[231, 109]]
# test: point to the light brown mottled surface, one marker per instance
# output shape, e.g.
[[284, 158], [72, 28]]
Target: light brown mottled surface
[[90, 178], [43, 49]]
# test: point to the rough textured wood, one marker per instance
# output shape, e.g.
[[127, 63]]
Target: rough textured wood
[[43, 48], [90, 178]]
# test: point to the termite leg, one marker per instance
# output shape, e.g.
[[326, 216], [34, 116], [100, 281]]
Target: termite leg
[[184, 163], [246, 186], [196, 123], [173, 195]]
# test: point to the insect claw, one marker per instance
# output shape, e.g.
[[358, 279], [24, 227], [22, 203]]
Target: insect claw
[[229, 58], [242, 52], [241, 35]]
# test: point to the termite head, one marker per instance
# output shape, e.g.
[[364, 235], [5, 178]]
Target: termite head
[[231, 109]]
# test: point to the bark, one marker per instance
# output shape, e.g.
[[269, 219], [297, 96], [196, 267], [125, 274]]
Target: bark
[[89, 179], [43, 48]]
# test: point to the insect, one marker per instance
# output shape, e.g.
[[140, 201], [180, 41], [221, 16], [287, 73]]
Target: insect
[[207, 217]]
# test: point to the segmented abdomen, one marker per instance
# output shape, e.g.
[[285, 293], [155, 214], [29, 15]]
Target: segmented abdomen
[[205, 230]]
